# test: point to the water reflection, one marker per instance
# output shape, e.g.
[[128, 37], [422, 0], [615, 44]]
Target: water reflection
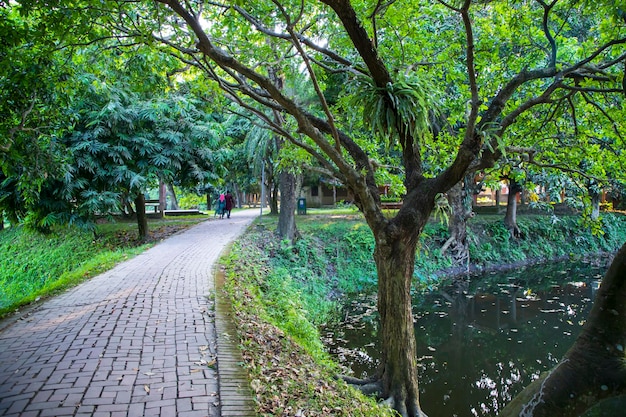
[[479, 344]]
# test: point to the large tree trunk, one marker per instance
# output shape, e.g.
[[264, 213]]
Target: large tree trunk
[[162, 198], [172, 193], [594, 369], [395, 260], [595, 204], [273, 198], [239, 196], [461, 205], [142, 219], [510, 218], [287, 215]]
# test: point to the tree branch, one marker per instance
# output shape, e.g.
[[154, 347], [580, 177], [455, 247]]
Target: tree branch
[[605, 114], [546, 14], [301, 38], [316, 86]]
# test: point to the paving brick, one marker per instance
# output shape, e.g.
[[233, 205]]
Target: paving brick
[[86, 352], [17, 406], [57, 412]]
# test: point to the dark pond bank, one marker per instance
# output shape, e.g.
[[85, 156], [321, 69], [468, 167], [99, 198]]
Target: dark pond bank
[[479, 344]]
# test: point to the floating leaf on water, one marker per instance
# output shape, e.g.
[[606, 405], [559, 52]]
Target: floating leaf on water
[[555, 310], [619, 347]]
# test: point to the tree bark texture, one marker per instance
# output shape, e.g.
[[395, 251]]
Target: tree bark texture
[[395, 259], [595, 205], [172, 193], [287, 214], [162, 197], [142, 219], [457, 226], [274, 188], [239, 197], [594, 368], [510, 218]]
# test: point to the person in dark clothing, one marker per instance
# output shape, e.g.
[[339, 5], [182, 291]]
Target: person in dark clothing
[[230, 202]]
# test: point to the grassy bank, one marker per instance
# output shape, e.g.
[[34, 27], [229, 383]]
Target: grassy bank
[[281, 292], [35, 266]]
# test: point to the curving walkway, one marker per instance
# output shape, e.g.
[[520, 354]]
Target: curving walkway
[[138, 340]]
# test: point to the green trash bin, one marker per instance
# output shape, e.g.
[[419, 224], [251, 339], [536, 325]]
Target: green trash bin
[[302, 206]]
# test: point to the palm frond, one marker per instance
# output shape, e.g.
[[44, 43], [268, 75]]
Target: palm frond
[[399, 107]]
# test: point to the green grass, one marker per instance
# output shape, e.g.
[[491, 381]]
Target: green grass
[[34, 266], [278, 337]]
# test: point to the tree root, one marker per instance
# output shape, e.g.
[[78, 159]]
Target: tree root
[[373, 386], [368, 386]]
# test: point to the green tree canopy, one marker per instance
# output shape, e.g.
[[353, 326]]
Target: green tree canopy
[[442, 86]]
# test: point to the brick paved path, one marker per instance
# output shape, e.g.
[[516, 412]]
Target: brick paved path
[[139, 340]]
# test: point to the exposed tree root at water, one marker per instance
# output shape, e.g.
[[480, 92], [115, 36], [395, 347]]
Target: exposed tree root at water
[[369, 386], [373, 386]]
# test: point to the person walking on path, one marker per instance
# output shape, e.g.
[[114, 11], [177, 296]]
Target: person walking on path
[[230, 203], [221, 205], [138, 340]]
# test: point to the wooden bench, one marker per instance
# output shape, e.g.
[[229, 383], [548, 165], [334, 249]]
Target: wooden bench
[[391, 205], [154, 204], [189, 212]]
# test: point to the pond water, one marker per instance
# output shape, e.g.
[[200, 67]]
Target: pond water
[[478, 344]]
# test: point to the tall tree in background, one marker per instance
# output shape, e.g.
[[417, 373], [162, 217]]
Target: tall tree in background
[[36, 89], [124, 144], [520, 59]]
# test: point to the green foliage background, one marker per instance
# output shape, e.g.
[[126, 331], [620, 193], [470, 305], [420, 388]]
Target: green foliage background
[[334, 256]]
